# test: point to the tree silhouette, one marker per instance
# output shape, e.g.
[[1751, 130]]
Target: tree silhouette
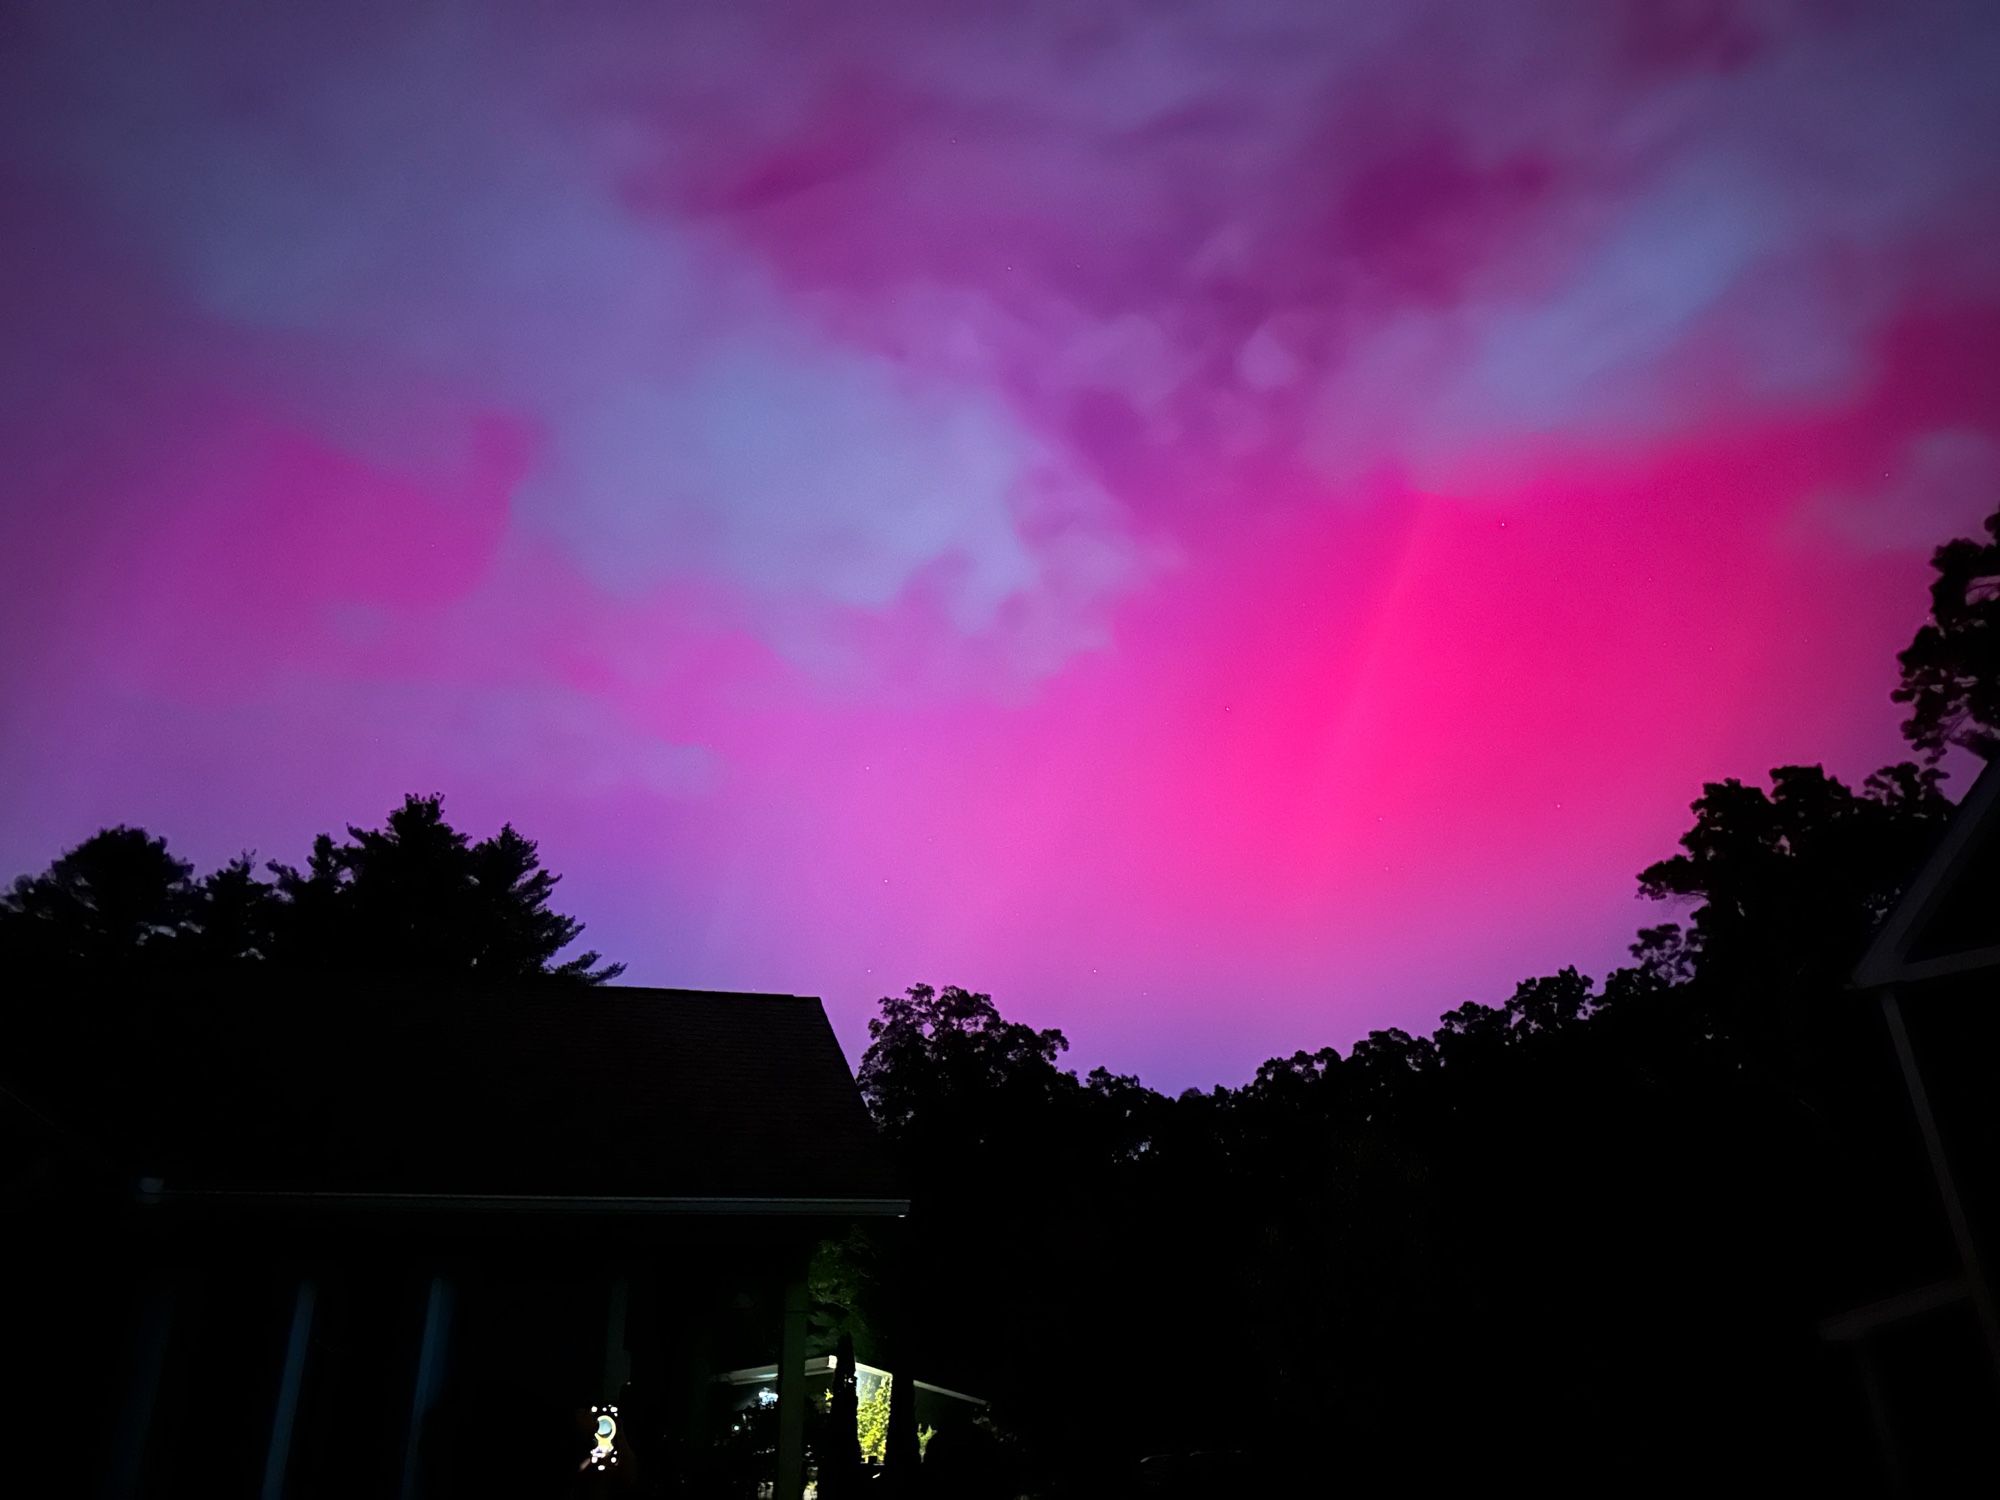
[[1471, 1223], [117, 898], [1790, 882], [415, 899], [1951, 670], [1551, 1003], [233, 918], [948, 1061]]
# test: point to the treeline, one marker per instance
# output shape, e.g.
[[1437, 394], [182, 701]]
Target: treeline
[[1584, 1236], [415, 898], [1518, 1243]]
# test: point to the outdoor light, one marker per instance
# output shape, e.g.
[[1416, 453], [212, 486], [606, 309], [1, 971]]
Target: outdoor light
[[604, 1450]]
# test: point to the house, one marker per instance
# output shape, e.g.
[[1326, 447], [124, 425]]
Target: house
[[385, 1244], [1927, 1356]]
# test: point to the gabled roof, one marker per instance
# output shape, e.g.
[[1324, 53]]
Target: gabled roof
[[611, 1099], [1948, 921]]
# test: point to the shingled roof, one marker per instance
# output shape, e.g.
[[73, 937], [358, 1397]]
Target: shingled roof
[[613, 1096]]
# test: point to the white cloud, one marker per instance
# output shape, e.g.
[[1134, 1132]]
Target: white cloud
[[423, 220], [794, 468], [1946, 483]]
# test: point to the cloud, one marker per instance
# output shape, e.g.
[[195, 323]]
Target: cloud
[[820, 302], [404, 215], [794, 469], [803, 295], [518, 737], [1944, 485]]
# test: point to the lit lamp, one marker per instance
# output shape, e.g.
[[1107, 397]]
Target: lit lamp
[[605, 1451]]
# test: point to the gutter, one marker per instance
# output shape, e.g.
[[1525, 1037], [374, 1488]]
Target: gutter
[[152, 1191]]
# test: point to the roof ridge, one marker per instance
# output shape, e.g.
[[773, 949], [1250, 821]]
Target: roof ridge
[[657, 989]]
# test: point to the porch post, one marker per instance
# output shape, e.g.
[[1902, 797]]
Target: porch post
[[792, 1390], [149, 1359], [1954, 1206], [1878, 1419], [617, 1355], [905, 1453], [430, 1370], [278, 1455]]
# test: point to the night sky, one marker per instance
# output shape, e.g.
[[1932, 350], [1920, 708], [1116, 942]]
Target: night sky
[[1224, 523]]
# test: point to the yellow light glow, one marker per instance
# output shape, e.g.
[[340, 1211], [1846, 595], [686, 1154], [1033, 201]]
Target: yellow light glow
[[603, 1451]]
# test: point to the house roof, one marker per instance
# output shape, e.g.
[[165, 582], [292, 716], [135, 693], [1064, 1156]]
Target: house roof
[[615, 1097], [1948, 921]]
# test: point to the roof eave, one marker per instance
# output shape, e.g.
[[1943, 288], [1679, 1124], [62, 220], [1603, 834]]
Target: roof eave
[[637, 1205], [1887, 960]]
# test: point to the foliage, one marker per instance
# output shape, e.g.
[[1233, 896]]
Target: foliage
[[872, 1420], [117, 895], [1774, 870], [845, 1281], [1951, 670], [948, 1057], [415, 898], [1471, 1221]]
